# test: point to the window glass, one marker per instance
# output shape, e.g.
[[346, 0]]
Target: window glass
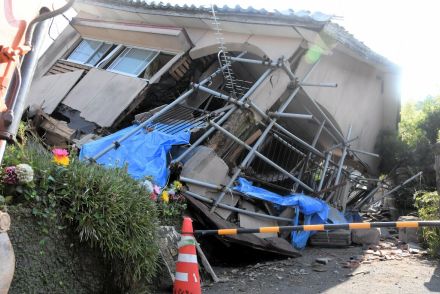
[[89, 52], [133, 61], [99, 54]]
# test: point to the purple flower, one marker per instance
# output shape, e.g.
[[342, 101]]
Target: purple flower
[[10, 176]]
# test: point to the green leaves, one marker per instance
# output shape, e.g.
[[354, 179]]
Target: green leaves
[[105, 207], [420, 121], [428, 205]]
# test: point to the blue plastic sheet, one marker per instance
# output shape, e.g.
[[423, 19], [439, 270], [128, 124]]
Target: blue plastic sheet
[[315, 211], [145, 153]]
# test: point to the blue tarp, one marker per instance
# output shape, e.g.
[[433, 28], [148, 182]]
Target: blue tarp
[[144, 152], [315, 211]]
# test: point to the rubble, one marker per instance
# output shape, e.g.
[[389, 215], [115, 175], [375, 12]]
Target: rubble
[[391, 250], [408, 235], [366, 237], [262, 143], [324, 260], [336, 238]]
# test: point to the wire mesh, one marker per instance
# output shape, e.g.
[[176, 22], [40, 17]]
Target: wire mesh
[[178, 119]]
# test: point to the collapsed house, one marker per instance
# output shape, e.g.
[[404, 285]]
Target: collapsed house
[[255, 107]]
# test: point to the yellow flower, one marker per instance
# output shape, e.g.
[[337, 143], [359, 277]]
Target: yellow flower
[[177, 185], [165, 196], [61, 156], [61, 160]]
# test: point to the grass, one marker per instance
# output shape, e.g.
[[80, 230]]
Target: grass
[[105, 207]]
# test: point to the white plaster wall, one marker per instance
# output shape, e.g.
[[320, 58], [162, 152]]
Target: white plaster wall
[[177, 43], [270, 90], [357, 100], [206, 43]]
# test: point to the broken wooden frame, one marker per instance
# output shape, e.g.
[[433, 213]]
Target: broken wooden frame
[[314, 163]]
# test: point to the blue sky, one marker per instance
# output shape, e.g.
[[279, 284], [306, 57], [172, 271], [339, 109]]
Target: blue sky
[[405, 32]]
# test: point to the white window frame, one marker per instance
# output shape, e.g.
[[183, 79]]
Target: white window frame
[[124, 52], [91, 56]]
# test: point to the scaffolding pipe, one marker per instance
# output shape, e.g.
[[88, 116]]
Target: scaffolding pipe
[[287, 132], [290, 115], [224, 117], [341, 161], [200, 183], [232, 208], [325, 85], [254, 61], [292, 77], [264, 158], [364, 152], [324, 170], [215, 93], [341, 144], [366, 198], [403, 184], [117, 143], [264, 115], [309, 155], [250, 155], [242, 166], [182, 97]]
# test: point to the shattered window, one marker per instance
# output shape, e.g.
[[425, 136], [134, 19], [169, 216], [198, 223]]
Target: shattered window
[[133, 61], [89, 52]]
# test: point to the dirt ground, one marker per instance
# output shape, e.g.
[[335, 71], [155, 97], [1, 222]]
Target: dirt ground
[[416, 273]]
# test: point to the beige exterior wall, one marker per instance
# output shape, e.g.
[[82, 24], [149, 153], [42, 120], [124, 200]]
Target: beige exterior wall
[[170, 40], [359, 100], [206, 43]]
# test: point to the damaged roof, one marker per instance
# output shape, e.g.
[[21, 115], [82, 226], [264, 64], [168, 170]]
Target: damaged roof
[[316, 21]]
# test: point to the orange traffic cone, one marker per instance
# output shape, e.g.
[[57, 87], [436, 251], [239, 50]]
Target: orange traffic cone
[[187, 270]]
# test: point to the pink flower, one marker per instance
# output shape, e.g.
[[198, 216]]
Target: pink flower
[[153, 196], [61, 156], [60, 152], [156, 189]]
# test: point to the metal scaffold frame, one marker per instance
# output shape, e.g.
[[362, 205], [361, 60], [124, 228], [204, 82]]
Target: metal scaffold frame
[[271, 126]]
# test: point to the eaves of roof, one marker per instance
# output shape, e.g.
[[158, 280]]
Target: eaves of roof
[[314, 21]]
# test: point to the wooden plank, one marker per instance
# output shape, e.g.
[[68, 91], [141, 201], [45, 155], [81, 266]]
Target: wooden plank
[[173, 74], [206, 166], [247, 221], [206, 263], [101, 96], [50, 90], [275, 245], [55, 72], [65, 67]]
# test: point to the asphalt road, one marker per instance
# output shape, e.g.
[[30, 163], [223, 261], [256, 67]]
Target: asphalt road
[[416, 273]]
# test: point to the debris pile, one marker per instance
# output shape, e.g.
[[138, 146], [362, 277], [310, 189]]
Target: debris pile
[[246, 126]]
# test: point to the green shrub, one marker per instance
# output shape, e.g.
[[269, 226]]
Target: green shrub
[[428, 205], [106, 207]]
